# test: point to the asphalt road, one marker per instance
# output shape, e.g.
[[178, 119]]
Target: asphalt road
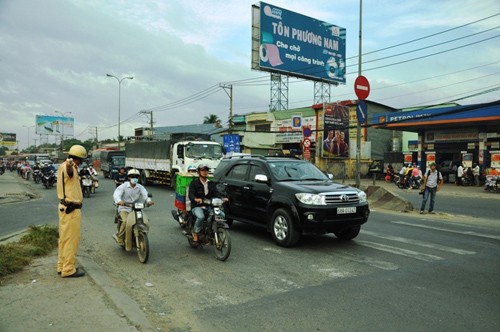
[[403, 272]]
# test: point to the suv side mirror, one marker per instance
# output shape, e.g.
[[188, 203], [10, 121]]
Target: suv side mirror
[[261, 178]]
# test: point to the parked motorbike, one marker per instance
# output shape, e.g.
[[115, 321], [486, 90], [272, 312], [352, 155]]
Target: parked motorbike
[[140, 230], [48, 179], [404, 182], [37, 175], [87, 185], [214, 230]]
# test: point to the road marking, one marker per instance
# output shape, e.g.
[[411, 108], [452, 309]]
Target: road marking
[[495, 237], [400, 251], [419, 243], [367, 260]]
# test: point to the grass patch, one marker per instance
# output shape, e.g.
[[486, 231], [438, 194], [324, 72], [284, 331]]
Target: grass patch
[[38, 241]]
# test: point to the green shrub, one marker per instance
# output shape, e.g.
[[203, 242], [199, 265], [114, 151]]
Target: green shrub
[[39, 241]]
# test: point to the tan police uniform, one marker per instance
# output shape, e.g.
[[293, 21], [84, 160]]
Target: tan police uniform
[[69, 193]]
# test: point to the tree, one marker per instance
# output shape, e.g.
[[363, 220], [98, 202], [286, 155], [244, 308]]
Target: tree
[[212, 118]]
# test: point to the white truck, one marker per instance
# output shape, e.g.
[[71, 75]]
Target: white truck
[[160, 161]]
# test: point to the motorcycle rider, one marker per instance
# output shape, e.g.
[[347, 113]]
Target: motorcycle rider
[[200, 189], [129, 192], [416, 175], [47, 168], [121, 176]]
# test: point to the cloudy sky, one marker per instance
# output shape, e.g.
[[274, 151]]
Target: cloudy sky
[[55, 54]]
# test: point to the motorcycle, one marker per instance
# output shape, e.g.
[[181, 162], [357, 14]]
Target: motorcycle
[[179, 216], [403, 182], [87, 185], [48, 179], [37, 175], [139, 230], [213, 231]]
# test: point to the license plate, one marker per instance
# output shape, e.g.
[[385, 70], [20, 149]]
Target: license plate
[[346, 210]]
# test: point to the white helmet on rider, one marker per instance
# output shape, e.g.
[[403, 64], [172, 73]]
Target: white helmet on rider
[[133, 173], [203, 166]]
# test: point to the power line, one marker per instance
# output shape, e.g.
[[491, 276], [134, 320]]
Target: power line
[[425, 37]]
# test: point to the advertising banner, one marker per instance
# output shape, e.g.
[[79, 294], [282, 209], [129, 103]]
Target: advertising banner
[[54, 125], [7, 139], [290, 130], [336, 131], [300, 46]]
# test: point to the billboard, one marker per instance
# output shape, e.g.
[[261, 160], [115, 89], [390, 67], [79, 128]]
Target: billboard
[[54, 125], [289, 43], [336, 131], [7, 139]]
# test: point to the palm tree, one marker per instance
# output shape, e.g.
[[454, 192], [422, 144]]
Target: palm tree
[[212, 118]]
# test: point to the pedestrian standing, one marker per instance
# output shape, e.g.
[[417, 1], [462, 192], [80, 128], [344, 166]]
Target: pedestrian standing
[[433, 180], [460, 174], [475, 172], [69, 193]]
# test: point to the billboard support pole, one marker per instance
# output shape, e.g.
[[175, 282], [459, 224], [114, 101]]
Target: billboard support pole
[[358, 126]]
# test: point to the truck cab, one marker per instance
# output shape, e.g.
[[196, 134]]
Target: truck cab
[[193, 153]]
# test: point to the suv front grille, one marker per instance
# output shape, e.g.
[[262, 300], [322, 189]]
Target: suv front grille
[[341, 198]]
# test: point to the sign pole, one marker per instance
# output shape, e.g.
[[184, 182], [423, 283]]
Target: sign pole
[[358, 127]]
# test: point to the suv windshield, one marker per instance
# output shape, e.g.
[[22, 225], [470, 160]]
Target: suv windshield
[[291, 170], [209, 151]]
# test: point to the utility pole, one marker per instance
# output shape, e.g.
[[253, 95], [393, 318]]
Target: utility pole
[[358, 127], [151, 123], [230, 95], [91, 131]]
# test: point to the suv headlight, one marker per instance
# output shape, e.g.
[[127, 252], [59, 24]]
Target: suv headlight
[[311, 199], [362, 196]]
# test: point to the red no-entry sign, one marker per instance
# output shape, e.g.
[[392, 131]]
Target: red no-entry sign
[[362, 87]]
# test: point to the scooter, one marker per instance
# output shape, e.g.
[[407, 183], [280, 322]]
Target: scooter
[[48, 179], [140, 229], [213, 231], [87, 185], [37, 176]]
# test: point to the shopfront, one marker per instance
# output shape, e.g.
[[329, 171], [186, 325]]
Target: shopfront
[[459, 134]]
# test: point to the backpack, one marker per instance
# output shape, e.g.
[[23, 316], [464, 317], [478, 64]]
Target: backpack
[[428, 172]]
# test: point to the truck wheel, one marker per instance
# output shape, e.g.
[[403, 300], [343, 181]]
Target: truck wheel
[[173, 180], [143, 179]]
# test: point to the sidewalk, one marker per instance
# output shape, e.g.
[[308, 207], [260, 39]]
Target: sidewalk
[[37, 299], [15, 189]]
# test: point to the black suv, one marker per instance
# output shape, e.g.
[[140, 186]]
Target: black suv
[[289, 197]]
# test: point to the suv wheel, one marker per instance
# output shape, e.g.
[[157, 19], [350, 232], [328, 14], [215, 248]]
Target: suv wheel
[[283, 231], [349, 233]]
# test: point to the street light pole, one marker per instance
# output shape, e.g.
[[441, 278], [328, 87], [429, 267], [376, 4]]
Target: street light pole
[[119, 80], [28, 145]]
